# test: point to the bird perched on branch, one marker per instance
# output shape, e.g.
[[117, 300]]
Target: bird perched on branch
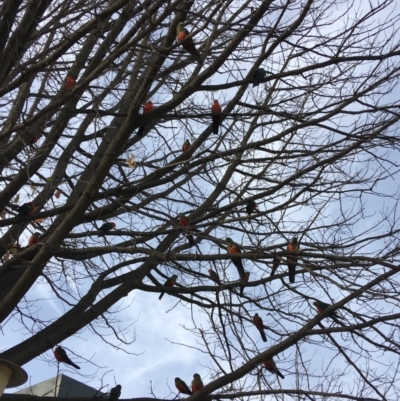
[[70, 82], [321, 306], [169, 283], [182, 386], [187, 43], [271, 367], [184, 223], [115, 393], [26, 209], [186, 146], [251, 207], [146, 108], [216, 115], [276, 261], [33, 239], [258, 75], [197, 384], [244, 282], [105, 228], [259, 324], [233, 248], [62, 356], [214, 276], [32, 142], [293, 246]]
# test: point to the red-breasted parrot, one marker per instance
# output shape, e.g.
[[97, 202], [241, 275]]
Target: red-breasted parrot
[[271, 367], [276, 261], [32, 142], [251, 207], [62, 356], [186, 146], [184, 223], [321, 306], [197, 384], [169, 283], [259, 324], [70, 82], [182, 386], [214, 276], [147, 107], [187, 43], [245, 281], [234, 248], [106, 227], [183, 220], [115, 393], [26, 209], [293, 246], [216, 115], [258, 75], [33, 239]]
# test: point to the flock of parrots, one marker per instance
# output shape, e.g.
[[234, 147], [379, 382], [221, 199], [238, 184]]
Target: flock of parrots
[[232, 247]]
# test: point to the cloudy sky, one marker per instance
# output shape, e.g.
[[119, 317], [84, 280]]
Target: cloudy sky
[[153, 341]]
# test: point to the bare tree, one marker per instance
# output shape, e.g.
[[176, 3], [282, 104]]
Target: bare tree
[[312, 141]]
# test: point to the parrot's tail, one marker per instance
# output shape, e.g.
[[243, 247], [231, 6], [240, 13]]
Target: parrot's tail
[[292, 272], [263, 336], [140, 130], [279, 374]]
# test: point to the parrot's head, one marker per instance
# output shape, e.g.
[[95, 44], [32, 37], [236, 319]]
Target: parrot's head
[[180, 27], [174, 277], [229, 241], [216, 102], [294, 240], [118, 386], [113, 224], [36, 235], [262, 71], [196, 376], [255, 316], [315, 303]]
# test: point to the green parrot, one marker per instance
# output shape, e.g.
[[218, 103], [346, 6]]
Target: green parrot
[[115, 393], [169, 283], [258, 75]]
